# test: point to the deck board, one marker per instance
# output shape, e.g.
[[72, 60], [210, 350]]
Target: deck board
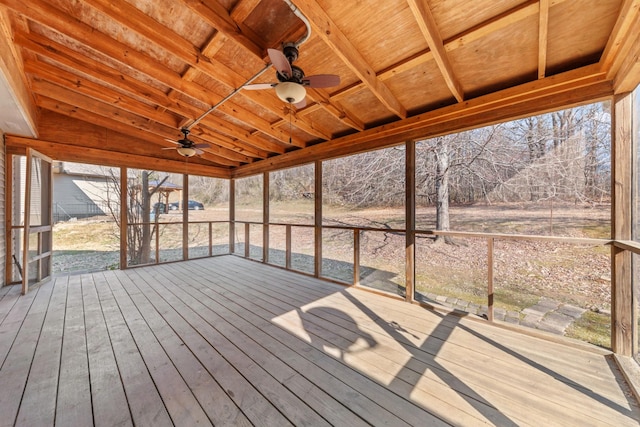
[[24, 324], [38, 406], [227, 341], [107, 392], [74, 388], [144, 401]]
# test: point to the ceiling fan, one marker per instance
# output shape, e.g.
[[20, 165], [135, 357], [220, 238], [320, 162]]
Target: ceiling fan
[[291, 79], [186, 147]]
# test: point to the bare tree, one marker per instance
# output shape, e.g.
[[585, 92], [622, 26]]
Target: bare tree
[[140, 233]]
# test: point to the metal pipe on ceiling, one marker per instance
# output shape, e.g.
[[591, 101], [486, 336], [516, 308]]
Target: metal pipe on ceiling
[[303, 18]]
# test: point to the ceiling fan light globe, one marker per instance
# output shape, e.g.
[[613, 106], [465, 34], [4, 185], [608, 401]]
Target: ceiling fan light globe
[[186, 151], [291, 92]]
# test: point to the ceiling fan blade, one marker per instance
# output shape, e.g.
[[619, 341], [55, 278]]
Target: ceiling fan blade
[[172, 141], [280, 62], [169, 148], [259, 86], [198, 152], [201, 145], [321, 80], [301, 104]]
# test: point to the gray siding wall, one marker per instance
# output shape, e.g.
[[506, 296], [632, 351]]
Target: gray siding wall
[[78, 197]]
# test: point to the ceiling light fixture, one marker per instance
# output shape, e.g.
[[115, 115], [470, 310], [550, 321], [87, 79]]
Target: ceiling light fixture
[[291, 92], [187, 151]]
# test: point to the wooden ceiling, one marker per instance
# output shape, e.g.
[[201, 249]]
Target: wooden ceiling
[[108, 81]]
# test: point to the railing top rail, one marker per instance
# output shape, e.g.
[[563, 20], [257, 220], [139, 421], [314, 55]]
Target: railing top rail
[[628, 245], [502, 236]]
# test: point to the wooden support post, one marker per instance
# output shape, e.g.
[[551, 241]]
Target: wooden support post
[[317, 218], [185, 216], [124, 218], [232, 215], [622, 307], [27, 231], [265, 217], [490, 279], [410, 219], [356, 257]]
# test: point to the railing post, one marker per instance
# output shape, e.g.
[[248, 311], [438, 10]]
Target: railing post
[[210, 238], [410, 220], [157, 226], [232, 216], [287, 262], [356, 256], [265, 217], [490, 279], [247, 242], [124, 218], [317, 219], [185, 216], [624, 329]]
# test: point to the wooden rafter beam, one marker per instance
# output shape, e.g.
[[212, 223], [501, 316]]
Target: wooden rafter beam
[[13, 76], [110, 97], [89, 88], [347, 52], [431, 33], [73, 153], [246, 140], [220, 19], [147, 27], [243, 142], [333, 107], [62, 123], [268, 102], [628, 76], [57, 20], [497, 23], [110, 76], [543, 33], [131, 17], [322, 98], [623, 36], [106, 120], [243, 9]]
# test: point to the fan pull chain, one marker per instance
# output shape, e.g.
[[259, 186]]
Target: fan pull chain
[[290, 129]]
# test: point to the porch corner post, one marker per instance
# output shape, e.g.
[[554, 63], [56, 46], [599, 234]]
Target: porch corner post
[[317, 217], [622, 301], [185, 217], [410, 220], [232, 215], [124, 218], [265, 217], [8, 216]]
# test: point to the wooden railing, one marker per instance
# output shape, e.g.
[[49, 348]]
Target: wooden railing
[[244, 227]]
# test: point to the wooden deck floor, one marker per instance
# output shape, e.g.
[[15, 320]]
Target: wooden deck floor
[[227, 341]]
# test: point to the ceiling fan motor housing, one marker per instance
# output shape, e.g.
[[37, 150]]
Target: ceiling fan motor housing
[[290, 50], [297, 75]]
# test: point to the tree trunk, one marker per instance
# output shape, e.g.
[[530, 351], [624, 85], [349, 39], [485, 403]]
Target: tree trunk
[[442, 188]]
